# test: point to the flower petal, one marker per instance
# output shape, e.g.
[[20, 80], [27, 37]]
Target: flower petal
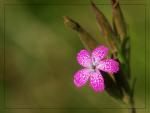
[[109, 65], [81, 77], [97, 82], [99, 53], [84, 59]]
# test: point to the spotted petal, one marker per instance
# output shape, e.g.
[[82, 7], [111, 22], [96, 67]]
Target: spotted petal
[[84, 59], [99, 53], [109, 65], [97, 82], [81, 77]]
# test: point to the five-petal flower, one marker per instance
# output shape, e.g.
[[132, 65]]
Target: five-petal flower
[[94, 62]]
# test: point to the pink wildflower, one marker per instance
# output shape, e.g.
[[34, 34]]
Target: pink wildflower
[[93, 63]]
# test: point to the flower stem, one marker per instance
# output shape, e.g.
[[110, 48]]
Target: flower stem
[[133, 109]]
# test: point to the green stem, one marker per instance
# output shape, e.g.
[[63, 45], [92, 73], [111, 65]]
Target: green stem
[[133, 109]]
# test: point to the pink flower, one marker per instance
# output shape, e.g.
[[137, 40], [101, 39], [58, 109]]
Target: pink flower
[[93, 63]]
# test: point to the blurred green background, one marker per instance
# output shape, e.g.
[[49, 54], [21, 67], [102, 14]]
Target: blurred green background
[[40, 56]]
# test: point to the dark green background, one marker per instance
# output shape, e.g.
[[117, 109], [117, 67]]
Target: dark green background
[[40, 56]]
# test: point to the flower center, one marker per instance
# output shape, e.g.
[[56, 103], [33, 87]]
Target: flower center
[[94, 67]]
